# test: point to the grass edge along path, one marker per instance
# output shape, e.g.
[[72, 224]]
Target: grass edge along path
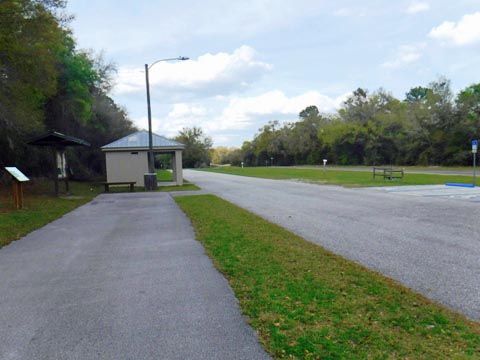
[[308, 303], [339, 177]]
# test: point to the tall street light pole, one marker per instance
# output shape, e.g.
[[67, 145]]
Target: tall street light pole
[[151, 177]]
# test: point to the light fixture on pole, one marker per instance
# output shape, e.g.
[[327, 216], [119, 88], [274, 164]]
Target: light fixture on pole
[[151, 177]]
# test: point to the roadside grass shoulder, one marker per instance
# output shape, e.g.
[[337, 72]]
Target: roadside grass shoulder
[[40, 207], [337, 177], [308, 303]]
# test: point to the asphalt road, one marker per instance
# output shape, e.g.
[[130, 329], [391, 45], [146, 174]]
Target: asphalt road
[[119, 278], [431, 245]]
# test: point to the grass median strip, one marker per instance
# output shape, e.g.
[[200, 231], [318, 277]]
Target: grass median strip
[[340, 177], [307, 303]]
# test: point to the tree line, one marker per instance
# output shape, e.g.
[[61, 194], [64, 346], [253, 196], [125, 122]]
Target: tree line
[[430, 126], [46, 83]]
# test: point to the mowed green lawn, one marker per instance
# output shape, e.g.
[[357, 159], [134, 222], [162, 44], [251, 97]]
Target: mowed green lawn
[[307, 303], [339, 177], [164, 175]]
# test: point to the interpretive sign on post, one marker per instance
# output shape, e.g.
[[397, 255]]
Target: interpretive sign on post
[[17, 174], [18, 179]]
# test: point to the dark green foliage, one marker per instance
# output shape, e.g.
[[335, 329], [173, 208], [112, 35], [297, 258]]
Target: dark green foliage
[[197, 147], [429, 127], [47, 84]]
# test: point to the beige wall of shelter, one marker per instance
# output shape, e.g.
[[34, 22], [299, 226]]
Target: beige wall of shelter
[[127, 158]]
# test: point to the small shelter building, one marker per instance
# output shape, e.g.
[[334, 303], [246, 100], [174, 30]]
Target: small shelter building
[[127, 158], [58, 142]]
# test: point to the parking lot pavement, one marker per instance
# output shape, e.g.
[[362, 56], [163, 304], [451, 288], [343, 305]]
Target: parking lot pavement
[[432, 191]]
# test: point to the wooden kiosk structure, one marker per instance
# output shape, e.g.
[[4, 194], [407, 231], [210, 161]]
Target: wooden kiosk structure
[[58, 142]]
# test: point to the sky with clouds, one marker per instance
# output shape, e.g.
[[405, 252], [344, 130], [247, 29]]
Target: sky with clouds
[[252, 61]]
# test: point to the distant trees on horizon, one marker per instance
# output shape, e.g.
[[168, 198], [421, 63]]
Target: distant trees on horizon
[[430, 126]]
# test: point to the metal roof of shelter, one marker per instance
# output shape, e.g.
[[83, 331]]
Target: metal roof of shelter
[[139, 141], [58, 140]]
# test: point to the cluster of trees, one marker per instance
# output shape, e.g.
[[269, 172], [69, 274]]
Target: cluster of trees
[[429, 127], [46, 83], [198, 147]]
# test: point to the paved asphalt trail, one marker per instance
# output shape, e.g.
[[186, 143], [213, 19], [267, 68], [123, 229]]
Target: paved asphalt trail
[[119, 278], [429, 244]]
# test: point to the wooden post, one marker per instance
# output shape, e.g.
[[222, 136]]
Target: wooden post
[[20, 195], [17, 194]]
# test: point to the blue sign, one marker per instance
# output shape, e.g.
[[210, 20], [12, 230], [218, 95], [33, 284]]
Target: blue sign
[[474, 142]]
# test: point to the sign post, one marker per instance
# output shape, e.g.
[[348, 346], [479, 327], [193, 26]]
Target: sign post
[[18, 179], [474, 151]]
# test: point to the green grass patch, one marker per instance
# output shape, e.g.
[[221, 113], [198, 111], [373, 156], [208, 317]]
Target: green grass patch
[[406, 167], [339, 177], [40, 207], [307, 303], [164, 175]]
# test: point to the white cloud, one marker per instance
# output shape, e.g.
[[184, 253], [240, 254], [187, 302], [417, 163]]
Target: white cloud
[[465, 32], [210, 74], [242, 113], [239, 117], [405, 55], [181, 110], [417, 7], [183, 115]]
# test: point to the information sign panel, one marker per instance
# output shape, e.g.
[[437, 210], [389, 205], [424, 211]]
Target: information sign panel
[[17, 174], [474, 146]]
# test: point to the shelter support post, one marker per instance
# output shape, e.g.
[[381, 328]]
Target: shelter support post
[[177, 172], [55, 174], [174, 168]]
